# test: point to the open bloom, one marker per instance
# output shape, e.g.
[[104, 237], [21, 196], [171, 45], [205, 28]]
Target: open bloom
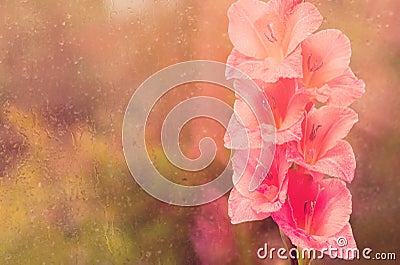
[[287, 104], [245, 205], [321, 148], [316, 214], [266, 37], [326, 72]]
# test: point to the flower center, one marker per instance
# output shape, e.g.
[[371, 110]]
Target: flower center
[[267, 187], [314, 131], [310, 153], [313, 67], [270, 35], [310, 156], [309, 207], [277, 116]]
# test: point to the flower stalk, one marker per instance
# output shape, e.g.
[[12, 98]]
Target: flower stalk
[[288, 245]]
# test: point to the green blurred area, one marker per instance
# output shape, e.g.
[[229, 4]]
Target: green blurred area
[[67, 72]]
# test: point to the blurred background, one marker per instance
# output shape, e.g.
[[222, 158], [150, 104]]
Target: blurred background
[[67, 72]]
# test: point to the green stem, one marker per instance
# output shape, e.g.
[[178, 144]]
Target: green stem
[[303, 260], [288, 245]]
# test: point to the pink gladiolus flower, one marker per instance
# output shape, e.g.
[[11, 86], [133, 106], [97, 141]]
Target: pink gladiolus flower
[[236, 130], [316, 214], [293, 69], [245, 205], [251, 132], [321, 148], [266, 37], [326, 71], [287, 105]]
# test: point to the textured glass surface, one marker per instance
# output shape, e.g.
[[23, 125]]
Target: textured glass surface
[[67, 72]]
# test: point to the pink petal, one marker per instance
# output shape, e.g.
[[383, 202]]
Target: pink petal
[[284, 219], [317, 176], [266, 37], [291, 22], [303, 240], [295, 109], [333, 208], [265, 70], [236, 135], [329, 217], [343, 90], [248, 171], [292, 133], [279, 181], [338, 161], [236, 58], [334, 124], [279, 95], [322, 243], [242, 31], [290, 67], [301, 189], [350, 243], [246, 114], [247, 163], [326, 55], [270, 196], [245, 131], [304, 19], [288, 104], [291, 126], [297, 236], [281, 8], [240, 210]]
